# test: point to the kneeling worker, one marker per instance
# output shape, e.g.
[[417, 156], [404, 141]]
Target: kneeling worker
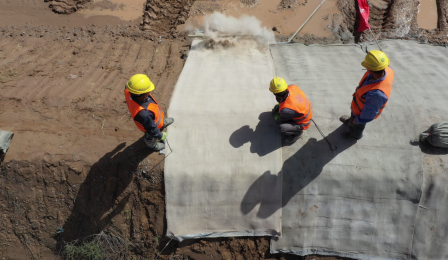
[[145, 111], [371, 95], [294, 112]]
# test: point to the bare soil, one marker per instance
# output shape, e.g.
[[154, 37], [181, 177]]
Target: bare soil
[[77, 164]]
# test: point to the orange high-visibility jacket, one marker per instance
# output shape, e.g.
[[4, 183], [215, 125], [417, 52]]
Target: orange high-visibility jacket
[[134, 108], [298, 102], [385, 86]]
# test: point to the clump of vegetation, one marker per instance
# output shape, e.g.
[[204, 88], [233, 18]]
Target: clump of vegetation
[[105, 245], [90, 250]]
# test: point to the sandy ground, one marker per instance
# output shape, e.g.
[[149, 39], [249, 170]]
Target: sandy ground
[[77, 161]]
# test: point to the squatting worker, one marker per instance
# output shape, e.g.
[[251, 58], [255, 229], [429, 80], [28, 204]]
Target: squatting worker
[[145, 111], [372, 94], [293, 112]]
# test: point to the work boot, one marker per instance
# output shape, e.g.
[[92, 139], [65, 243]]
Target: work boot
[[167, 121], [290, 139], [345, 119], [158, 146]]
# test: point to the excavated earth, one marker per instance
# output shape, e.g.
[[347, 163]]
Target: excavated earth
[[77, 165]]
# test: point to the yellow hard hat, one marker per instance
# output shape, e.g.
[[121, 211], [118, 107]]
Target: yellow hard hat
[[140, 84], [278, 85], [375, 60]]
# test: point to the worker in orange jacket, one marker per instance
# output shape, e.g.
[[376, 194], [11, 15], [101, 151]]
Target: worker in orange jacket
[[144, 109], [293, 112], [371, 95]]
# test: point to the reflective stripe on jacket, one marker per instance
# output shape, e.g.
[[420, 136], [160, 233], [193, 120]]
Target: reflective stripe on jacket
[[134, 108], [298, 102], [385, 86]]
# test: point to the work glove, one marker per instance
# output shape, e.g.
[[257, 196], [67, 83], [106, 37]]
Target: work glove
[[275, 110], [276, 116], [164, 135]]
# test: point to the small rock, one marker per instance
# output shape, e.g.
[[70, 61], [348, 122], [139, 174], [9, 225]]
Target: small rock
[[72, 76], [59, 230]]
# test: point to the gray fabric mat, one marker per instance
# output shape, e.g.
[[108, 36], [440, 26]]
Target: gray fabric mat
[[360, 201], [226, 148], [424, 81], [5, 141]]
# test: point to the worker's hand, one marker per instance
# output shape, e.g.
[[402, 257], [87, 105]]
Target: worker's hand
[[275, 110], [164, 135], [276, 116]]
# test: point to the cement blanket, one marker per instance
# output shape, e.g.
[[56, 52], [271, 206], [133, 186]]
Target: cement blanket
[[424, 72], [224, 141], [360, 201]]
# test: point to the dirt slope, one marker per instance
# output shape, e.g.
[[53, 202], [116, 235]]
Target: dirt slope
[[76, 150]]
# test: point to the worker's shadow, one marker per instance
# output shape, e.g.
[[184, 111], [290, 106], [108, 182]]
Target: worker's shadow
[[264, 140], [298, 171], [102, 194]]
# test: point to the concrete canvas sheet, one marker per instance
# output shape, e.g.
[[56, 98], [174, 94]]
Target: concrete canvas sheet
[[360, 200], [224, 140], [424, 69]]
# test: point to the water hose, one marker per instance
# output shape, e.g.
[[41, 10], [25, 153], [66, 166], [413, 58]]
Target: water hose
[[294, 35], [331, 146]]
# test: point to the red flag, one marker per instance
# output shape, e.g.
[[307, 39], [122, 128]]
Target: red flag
[[363, 13]]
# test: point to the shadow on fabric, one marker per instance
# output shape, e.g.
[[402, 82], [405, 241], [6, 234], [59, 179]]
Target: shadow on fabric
[[297, 172], [427, 148], [264, 140], [101, 196]]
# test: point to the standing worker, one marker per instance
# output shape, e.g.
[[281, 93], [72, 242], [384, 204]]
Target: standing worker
[[293, 113], [145, 111], [371, 95]]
